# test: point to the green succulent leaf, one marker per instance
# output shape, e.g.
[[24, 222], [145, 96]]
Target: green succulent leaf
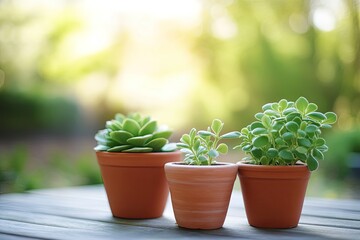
[[260, 141], [258, 116], [264, 160], [266, 107], [157, 144], [213, 153], [266, 121], [283, 104], [257, 153], [231, 135], [256, 125], [222, 148], [301, 149], [121, 136], [170, 147], [101, 148], [206, 133], [258, 131], [331, 118], [217, 125], [318, 155], [182, 145], [119, 117], [288, 136], [138, 150], [286, 155], [292, 126], [304, 142], [162, 134], [119, 148], [301, 104], [316, 116], [185, 139], [312, 107], [139, 141], [319, 142], [131, 126], [311, 128], [312, 163], [272, 152], [148, 128]]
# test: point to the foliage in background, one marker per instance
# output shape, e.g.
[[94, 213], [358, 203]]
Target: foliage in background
[[286, 132], [17, 176], [203, 147], [133, 133]]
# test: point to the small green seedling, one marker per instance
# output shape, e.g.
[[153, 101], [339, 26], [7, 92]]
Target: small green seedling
[[133, 133], [203, 147], [287, 132]]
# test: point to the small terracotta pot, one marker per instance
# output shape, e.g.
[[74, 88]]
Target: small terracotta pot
[[273, 195], [200, 195], [135, 183]]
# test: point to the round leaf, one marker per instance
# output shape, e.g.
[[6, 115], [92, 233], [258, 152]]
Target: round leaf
[[157, 144], [163, 134], [304, 142], [287, 136], [292, 126], [312, 163], [286, 155], [301, 104], [331, 118], [138, 150], [139, 141], [256, 125], [222, 148], [121, 136], [260, 141], [266, 121], [119, 148], [213, 153], [311, 107], [311, 128], [131, 126], [272, 152], [318, 155], [148, 128], [257, 153], [217, 125], [316, 116]]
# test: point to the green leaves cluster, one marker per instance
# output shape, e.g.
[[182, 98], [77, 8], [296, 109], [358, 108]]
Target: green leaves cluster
[[133, 133], [202, 147], [286, 132]]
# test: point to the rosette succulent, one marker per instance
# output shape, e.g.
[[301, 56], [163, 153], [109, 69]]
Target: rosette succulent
[[203, 147], [133, 133], [287, 132]]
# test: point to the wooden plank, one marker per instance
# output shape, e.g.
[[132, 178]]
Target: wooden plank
[[235, 226], [83, 213]]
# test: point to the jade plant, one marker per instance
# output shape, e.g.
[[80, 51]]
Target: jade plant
[[287, 132], [203, 147], [133, 133]]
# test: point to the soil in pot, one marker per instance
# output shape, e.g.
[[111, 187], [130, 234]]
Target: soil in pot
[[273, 195], [135, 183], [200, 195]]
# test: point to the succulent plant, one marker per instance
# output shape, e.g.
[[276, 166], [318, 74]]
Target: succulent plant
[[202, 147], [287, 132], [133, 133]]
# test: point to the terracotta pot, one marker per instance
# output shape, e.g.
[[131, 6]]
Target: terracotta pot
[[273, 195], [200, 195], [135, 183]]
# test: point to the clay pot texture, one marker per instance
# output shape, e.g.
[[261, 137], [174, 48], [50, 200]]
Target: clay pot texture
[[200, 195], [273, 195], [135, 183]]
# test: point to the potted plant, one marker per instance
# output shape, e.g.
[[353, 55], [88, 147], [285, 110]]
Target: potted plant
[[283, 145], [200, 187], [132, 151]]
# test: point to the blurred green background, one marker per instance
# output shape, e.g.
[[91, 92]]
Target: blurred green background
[[67, 66]]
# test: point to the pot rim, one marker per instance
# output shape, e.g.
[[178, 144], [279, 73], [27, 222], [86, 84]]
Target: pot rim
[[217, 165], [137, 153], [270, 168]]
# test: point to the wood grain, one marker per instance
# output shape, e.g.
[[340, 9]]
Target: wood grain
[[83, 213]]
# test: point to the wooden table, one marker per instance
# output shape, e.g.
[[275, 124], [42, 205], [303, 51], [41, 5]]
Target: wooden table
[[83, 213]]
